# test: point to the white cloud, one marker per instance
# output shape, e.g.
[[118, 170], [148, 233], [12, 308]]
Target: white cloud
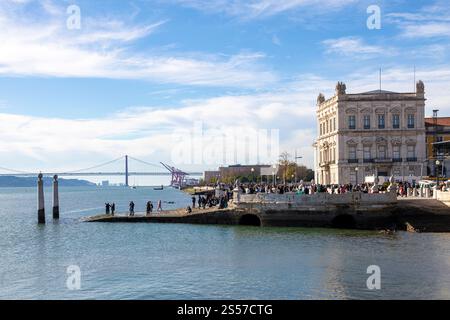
[[104, 50], [41, 143], [428, 22], [355, 47], [249, 9]]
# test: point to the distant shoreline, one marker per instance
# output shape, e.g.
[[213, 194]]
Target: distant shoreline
[[26, 182]]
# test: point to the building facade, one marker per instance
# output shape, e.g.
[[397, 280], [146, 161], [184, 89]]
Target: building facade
[[438, 140], [370, 135]]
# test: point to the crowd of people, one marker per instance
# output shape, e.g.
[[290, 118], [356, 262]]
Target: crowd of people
[[110, 208], [223, 193]]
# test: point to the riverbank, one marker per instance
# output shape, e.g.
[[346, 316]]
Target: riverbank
[[419, 215]]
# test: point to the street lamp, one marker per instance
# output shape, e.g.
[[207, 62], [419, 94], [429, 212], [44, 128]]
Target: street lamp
[[273, 173], [253, 177], [437, 173], [356, 176], [296, 165]]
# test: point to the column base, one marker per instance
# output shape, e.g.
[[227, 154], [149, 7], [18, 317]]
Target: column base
[[41, 216], [55, 212]]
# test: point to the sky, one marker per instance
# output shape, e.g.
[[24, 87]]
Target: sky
[[143, 77]]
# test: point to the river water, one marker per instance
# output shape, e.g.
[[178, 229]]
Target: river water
[[175, 261]]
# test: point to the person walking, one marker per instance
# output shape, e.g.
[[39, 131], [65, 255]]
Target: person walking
[[131, 209], [159, 206]]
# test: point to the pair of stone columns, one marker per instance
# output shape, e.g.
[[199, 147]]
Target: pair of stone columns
[[41, 202]]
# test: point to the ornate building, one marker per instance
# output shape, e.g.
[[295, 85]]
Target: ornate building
[[372, 134], [438, 143]]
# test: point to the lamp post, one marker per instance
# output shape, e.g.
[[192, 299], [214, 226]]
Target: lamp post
[[273, 173], [296, 165], [437, 173], [253, 177], [356, 176]]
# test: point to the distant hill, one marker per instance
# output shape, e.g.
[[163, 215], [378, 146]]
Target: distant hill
[[11, 181]]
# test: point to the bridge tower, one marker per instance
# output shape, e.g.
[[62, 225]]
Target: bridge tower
[[126, 171]]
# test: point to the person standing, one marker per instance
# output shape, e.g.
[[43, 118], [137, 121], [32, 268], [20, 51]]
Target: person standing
[[107, 207], [193, 202], [113, 208], [148, 208], [131, 209]]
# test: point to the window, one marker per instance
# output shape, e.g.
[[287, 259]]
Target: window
[[381, 121], [331, 125], [396, 121], [320, 129], [396, 152], [352, 153], [326, 126], [381, 152], [410, 121], [352, 122], [334, 124], [366, 122], [411, 152], [367, 154]]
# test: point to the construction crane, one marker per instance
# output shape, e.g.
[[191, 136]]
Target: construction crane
[[178, 176]]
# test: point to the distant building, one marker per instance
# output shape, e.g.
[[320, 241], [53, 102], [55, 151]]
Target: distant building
[[372, 134], [105, 183], [209, 176], [256, 170], [242, 170], [438, 145]]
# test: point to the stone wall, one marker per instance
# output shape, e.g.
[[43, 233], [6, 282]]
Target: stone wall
[[318, 199], [444, 197]]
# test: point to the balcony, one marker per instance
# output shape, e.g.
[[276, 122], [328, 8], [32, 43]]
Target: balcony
[[413, 159], [368, 160], [410, 126], [353, 161], [383, 160], [397, 160]]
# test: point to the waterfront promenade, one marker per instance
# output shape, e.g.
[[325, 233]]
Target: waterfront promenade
[[351, 211]]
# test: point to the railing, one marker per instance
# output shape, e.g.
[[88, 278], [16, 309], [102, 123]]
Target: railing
[[413, 159], [353, 161], [397, 160], [383, 160], [368, 160]]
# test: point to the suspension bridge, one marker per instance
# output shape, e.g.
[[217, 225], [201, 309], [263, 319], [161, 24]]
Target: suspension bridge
[[177, 176]]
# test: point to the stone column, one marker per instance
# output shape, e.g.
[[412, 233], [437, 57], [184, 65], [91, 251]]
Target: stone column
[[427, 192], [55, 198], [41, 203]]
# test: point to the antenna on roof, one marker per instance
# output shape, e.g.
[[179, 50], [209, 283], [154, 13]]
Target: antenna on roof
[[380, 80]]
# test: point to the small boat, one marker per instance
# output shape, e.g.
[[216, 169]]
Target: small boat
[[159, 188]]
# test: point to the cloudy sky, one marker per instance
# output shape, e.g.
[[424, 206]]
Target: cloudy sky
[[137, 73]]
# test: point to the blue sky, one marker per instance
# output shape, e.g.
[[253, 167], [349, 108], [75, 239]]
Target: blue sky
[[137, 71]]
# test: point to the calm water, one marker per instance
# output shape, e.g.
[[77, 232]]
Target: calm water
[[171, 261]]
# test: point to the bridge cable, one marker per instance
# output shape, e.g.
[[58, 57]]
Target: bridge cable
[[96, 166], [147, 163]]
